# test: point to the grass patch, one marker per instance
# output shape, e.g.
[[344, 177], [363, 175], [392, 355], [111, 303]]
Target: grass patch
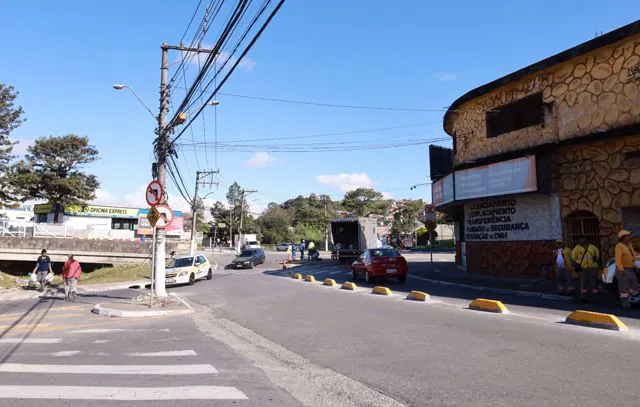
[[128, 272], [8, 281]]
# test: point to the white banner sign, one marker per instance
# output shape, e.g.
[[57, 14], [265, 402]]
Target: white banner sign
[[522, 218], [442, 190], [507, 177]]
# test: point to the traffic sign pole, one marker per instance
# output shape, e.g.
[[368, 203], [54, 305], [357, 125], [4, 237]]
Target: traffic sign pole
[[153, 268]]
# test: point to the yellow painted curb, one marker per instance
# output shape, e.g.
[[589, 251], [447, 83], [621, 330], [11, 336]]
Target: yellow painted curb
[[596, 320], [297, 276], [329, 281], [381, 290], [480, 304], [418, 296], [310, 279], [349, 286]]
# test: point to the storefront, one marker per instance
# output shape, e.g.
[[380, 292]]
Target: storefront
[[96, 221], [548, 152]]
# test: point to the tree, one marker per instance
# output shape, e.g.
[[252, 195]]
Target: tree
[[10, 119], [221, 222], [52, 171], [275, 225], [364, 202], [405, 217]]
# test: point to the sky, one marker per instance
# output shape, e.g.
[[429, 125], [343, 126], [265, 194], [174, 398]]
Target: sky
[[64, 56]]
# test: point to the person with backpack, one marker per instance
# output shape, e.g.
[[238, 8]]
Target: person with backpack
[[587, 261], [43, 268], [71, 274]]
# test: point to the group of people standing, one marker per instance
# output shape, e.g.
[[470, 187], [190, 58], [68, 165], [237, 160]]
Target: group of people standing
[[293, 248], [583, 263], [71, 273]]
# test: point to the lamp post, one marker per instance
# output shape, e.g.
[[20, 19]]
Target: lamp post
[[120, 87]]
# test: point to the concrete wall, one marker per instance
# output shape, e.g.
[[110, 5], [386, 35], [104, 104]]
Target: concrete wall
[[81, 245], [594, 92]]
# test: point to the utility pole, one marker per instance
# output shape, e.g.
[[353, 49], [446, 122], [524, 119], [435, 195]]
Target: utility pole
[[243, 193], [200, 179], [162, 145], [326, 229]]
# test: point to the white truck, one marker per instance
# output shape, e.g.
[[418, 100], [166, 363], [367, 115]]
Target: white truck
[[352, 236], [249, 240]]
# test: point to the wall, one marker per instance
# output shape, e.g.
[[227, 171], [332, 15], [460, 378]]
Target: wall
[[524, 259], [81, 245], [591, 93], [594, 177]]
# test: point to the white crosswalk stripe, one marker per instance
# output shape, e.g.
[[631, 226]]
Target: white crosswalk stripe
[[122, 393], [109, 369]]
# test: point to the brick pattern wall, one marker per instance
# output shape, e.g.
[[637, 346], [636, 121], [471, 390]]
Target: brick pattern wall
[[523, 259]]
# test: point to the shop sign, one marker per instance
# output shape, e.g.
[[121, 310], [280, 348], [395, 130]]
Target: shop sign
[[522, 218], [504, 178], [91, 210]]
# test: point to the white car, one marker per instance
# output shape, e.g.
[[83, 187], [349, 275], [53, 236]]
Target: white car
[[188, 269]]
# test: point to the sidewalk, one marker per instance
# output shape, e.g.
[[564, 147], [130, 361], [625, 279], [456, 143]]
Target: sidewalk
[[140, 307]]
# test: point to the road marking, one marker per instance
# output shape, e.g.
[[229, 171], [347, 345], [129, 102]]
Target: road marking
[[65, 353], [102, 341], [109, 369], [333, 273], [166, 353], [30, 340], [418, 278], [109, 330], [23, 324], [122, 393]]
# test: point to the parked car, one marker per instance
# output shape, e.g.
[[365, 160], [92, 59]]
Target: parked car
[[248, 258], [253, 244], [188, 269], [283, 247], [380, 264]]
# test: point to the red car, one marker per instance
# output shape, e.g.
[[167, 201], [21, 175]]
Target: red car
[[376, 264]]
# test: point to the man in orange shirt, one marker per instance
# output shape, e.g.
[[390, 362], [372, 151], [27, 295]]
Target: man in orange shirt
[[625, 268]]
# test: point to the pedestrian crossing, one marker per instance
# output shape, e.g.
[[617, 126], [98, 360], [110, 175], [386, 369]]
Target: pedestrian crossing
[[121, 364]]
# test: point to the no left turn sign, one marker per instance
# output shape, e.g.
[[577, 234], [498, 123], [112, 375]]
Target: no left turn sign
[[154, 193]]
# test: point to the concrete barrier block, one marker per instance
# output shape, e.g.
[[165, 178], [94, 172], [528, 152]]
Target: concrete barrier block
[[381, 290], [481, 304], [418, 296], [329, 281], [310, 279], [596, 320], [349, 286], [296, 276]]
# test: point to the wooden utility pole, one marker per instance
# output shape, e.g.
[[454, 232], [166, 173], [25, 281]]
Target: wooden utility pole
[[243, 193]]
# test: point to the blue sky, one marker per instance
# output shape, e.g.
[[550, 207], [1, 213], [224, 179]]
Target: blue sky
[[63, 57]]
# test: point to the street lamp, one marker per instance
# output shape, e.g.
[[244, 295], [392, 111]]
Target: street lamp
[[120, 87], [214, 103]]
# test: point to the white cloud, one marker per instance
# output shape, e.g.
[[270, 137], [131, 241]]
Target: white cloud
[[256, 208], [20, 149], [346, 182], [444, 76], [387, 195], [261, 159]]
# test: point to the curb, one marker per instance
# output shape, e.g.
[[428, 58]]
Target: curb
[[518, 293], [112, 312], [481, 304], [596, 320]]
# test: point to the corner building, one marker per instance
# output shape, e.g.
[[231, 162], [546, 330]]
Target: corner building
[[549, 152]]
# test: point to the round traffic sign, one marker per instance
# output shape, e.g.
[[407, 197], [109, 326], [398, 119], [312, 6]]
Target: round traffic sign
[[166, 216], [154, 193]]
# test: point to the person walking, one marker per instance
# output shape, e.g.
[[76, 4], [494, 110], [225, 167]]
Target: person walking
[[302, 247], [587, 260], [626, 268], [289, 253], [563, 264], [43, 267], [71, 274]]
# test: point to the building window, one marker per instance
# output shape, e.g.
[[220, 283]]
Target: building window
[[43, 217], [526, 112], [581, 223], [124, 224]]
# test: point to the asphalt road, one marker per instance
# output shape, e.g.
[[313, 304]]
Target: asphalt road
[[281, 341], [437, 353]]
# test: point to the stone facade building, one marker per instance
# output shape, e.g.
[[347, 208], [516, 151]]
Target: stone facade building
[[550, 151]]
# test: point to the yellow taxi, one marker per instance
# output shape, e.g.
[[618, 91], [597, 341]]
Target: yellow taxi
[[188, 269]]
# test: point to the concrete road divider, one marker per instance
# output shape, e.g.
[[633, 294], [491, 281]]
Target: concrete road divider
[[480, 304], [381, 290], [310, 279], [349, 286], [296, 276], [596, 320], [329, 281], [418, 296]]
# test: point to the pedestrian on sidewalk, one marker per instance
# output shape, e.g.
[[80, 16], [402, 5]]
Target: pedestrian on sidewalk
[[626, 268], [587, 260], [43, 267], [563, 264], [71, 273], [302, 247]]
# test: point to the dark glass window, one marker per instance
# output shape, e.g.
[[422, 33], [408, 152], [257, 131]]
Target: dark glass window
[[528, 111]]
